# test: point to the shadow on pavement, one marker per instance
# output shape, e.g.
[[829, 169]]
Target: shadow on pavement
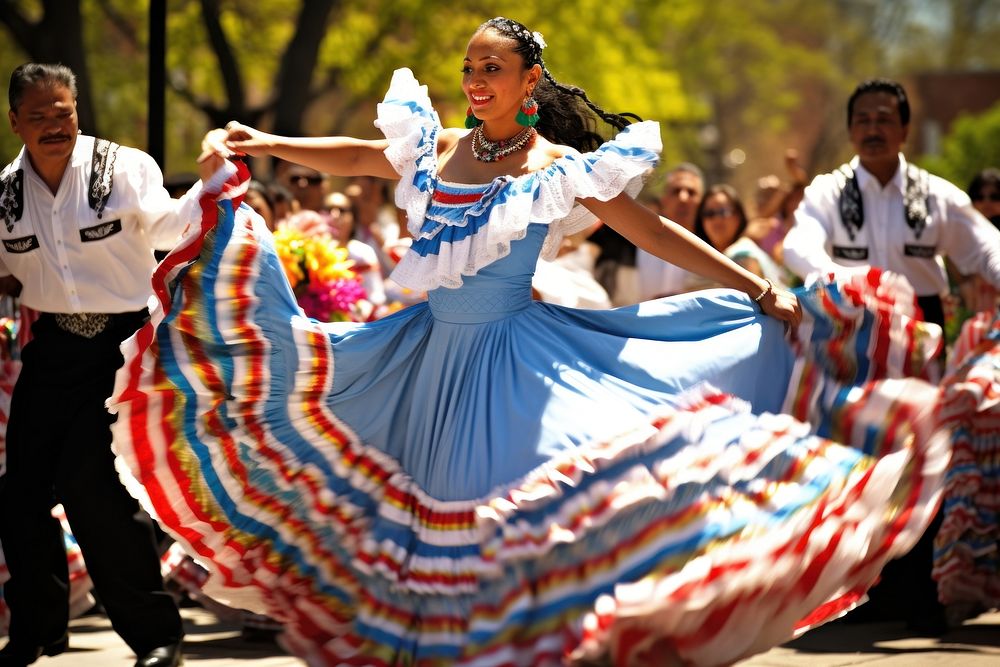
[[879, 638]]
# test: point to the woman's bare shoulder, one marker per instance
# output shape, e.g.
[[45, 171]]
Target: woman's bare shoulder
[[544, 152], [448, 137]]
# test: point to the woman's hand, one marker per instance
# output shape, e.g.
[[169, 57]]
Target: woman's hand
[[245, 140], [782, 305]]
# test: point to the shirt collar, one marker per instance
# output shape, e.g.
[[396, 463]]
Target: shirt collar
[[867, 181], [82, 151]]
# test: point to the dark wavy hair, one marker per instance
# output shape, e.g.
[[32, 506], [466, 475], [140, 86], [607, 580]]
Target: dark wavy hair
[[33, 74], [565, 114], [734, 201], [881, 86], [988, 176]]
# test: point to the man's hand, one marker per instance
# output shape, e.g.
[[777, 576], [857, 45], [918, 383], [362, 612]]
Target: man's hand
[[213, 153]]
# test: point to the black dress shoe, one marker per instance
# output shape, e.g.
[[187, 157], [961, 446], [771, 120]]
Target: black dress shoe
[[162, 656], [20, 654]]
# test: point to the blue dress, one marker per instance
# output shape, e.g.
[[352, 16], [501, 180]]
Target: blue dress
[[483, 479]]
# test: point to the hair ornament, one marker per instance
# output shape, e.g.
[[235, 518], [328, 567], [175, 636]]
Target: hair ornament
[[539, 40]]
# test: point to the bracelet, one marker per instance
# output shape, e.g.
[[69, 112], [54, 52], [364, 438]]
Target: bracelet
[[767, 289]]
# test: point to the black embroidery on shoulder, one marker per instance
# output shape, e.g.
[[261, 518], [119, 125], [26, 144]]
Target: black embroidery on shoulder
[[852, 210], [923, 251], [101, 231], [23, 244], [915, 199], [11, 196], [847, 252], [915, 195], [102, 174]]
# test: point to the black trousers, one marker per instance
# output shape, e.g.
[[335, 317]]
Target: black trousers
[[906, 589], [58, 450], [933, 309]]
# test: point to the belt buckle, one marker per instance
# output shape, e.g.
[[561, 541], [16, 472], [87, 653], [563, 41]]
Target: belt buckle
[[85, 325]]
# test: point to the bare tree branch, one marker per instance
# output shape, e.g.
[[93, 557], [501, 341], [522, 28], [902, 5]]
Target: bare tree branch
[[120, 23], [22, 30], [293, 78], [229, 70]]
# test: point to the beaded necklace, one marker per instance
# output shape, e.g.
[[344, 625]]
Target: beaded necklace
[[485, 150]]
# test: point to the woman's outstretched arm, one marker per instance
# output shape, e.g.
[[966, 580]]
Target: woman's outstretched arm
[[672, 243], [337, 156]]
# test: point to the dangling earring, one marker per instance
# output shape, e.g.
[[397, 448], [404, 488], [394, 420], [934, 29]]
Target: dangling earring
[[470, 119], [527, 115]]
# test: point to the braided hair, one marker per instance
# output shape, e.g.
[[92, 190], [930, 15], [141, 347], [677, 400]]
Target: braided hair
[[565, 113]]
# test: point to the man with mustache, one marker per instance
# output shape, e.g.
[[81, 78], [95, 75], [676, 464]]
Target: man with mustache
[[881, 211], [79, 220]]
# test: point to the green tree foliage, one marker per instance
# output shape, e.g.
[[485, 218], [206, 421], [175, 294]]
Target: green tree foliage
[[718, 75], [972, 145], [110, 66]]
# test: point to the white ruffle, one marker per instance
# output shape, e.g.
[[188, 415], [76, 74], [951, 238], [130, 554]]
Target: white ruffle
[[408, 120], [548, 196]]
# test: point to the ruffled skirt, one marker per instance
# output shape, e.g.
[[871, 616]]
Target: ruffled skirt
[[670, 524], [967, 546]]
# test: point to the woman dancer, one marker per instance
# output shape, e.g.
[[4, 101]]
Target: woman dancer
[[486, 479]]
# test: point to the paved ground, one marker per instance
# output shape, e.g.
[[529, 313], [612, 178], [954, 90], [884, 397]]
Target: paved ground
[[213, 644]]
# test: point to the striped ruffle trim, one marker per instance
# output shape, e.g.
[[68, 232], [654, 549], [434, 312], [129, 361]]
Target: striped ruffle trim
[[966, 560], [853, 332], [656, 536]]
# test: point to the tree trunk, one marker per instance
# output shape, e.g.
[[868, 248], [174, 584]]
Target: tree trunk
[[294, 77], [56, 38]]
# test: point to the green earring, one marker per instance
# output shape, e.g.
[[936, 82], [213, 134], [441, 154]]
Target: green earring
[[527, 115], [470, 119]]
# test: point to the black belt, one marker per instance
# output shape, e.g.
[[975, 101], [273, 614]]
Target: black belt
[[88, 325]]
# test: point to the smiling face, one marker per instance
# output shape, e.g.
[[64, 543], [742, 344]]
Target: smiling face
[[495, 80], [46, 121]]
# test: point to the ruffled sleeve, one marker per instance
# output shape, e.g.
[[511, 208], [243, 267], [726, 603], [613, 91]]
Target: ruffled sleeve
[[408, 120], [619, 165]]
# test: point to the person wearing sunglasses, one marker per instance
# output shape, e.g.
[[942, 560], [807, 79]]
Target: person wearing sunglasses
[[984, 191], [974, 293], [307, 185], [721, 221]]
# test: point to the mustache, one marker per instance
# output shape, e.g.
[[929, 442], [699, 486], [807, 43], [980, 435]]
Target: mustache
[[54, 137], [873, 141]]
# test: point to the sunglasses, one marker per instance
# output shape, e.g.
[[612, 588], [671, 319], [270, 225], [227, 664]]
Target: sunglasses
[[717, 212]]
